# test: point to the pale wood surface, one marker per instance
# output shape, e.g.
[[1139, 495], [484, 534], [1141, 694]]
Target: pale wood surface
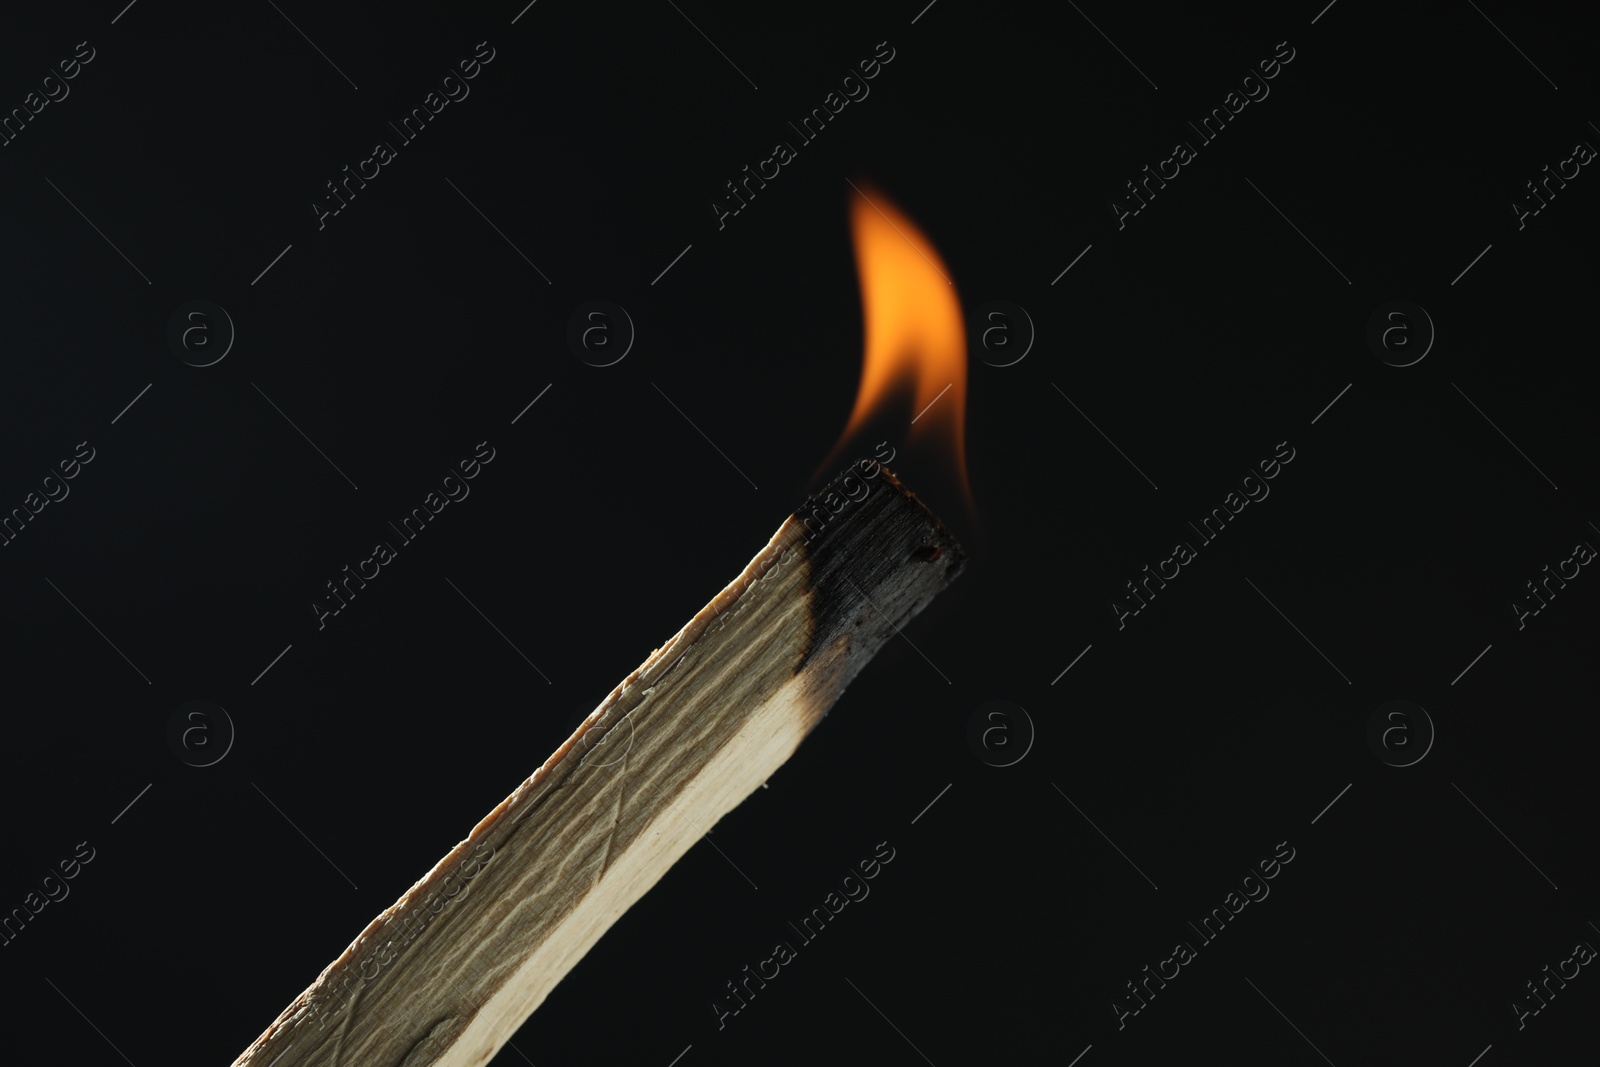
[[445, 976]]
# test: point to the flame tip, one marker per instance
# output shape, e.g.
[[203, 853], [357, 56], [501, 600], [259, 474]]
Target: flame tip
[[915, 336]]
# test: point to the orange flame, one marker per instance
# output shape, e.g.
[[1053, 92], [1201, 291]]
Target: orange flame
[[915, 336]]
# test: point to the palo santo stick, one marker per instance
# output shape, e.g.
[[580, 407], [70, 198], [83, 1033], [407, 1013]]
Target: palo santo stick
[[445, 976]]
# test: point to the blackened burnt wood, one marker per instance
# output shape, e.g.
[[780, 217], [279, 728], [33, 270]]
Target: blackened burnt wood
[[447, 974]]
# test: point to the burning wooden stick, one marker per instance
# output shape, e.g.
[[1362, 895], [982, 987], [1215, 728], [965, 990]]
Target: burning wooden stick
[[448, 973]]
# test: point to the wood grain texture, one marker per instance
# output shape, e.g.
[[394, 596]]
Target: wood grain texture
[[445, 976]]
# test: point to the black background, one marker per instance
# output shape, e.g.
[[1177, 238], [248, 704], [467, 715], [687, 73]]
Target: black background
[[1197, 338]]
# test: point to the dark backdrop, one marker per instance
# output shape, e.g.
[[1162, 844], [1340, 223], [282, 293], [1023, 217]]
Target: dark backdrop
[[1185, 744]]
